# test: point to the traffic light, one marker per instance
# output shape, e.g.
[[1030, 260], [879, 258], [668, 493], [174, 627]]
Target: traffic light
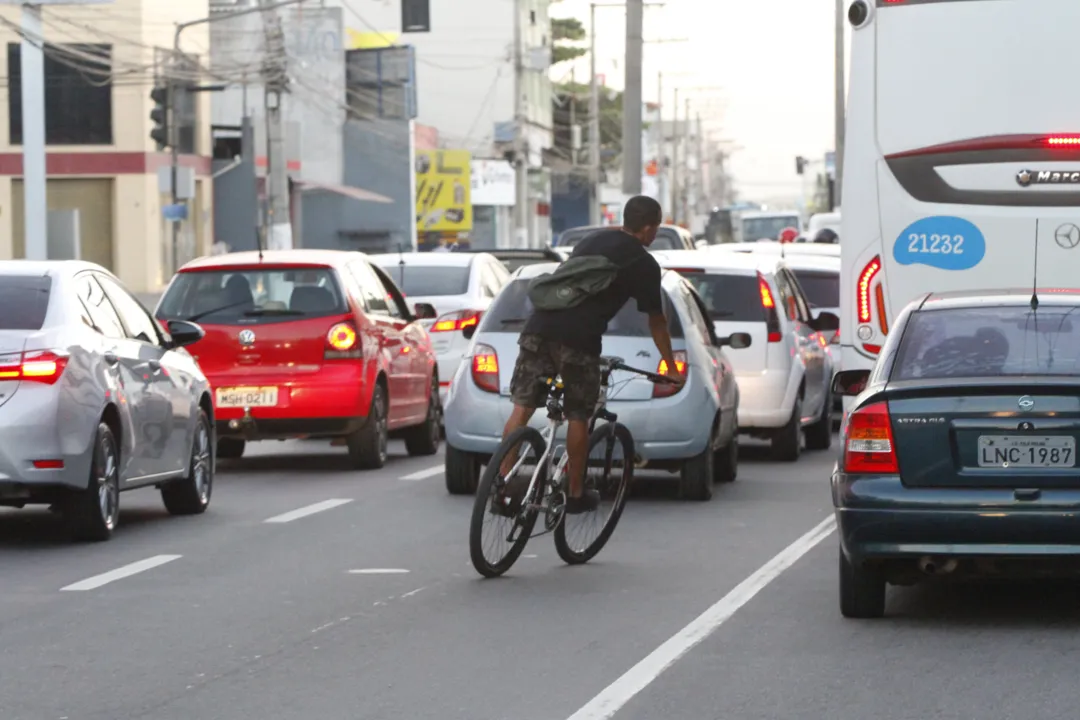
[[800, 165], [160, 116]]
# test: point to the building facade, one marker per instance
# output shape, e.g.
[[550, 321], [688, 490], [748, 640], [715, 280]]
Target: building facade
[[101, 62]]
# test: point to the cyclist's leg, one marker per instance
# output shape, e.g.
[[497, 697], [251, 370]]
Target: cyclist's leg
[[526, 391], [581, 383]]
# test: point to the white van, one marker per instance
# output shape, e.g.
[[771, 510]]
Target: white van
[[959, 168]]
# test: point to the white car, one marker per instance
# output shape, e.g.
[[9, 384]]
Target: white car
[[785, 374], [460, 286], [772, 247]]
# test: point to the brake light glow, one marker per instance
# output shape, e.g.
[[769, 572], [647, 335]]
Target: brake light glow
[[342, 337], [1062, 141], [866, 279], [868, 441], [457, 321], [485, 368], [835, 338], [43, 366], [767, 301], [48, 464], [664, 390], [883, 323]]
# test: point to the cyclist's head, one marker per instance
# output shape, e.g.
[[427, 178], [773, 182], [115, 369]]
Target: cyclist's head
[[642, 217]]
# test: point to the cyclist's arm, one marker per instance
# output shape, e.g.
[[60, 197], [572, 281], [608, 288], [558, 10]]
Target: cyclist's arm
[[658, 327]]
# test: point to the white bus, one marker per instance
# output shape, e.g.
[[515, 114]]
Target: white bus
[[962, 155]]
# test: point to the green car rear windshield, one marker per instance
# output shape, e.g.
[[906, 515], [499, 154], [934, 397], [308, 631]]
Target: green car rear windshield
[[989, 342]]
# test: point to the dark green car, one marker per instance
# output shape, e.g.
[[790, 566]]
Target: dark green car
[[960, 451]]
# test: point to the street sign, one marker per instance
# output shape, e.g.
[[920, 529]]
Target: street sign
[[443, 190]]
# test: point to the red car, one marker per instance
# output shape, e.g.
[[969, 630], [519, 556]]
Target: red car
[[310, 344]]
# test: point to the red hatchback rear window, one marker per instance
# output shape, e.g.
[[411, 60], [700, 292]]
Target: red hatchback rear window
[[253, 296]]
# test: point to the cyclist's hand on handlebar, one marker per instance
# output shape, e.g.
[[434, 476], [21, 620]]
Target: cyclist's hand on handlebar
[[674, 377]]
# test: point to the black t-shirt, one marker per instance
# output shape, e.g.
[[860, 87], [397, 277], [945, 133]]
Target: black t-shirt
[[582, 327]]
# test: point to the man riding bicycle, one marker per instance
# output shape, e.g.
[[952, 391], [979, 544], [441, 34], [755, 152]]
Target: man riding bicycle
[[568, 341]]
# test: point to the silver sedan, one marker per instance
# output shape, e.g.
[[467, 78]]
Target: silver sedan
[[96, 398]]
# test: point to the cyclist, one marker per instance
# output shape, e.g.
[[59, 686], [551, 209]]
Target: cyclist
[[568, 343]]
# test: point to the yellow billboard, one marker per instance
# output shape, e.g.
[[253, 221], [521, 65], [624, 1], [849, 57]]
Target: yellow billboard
[[443, 190]]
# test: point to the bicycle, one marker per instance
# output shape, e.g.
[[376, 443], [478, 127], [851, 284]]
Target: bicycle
[[547, 491]]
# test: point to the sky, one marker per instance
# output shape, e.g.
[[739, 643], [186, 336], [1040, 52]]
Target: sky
[[770, 62]]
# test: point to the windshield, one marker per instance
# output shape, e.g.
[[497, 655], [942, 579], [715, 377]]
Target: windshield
[[667, 239], [572, 237], [767, 227], [989, 342], [976, 90], [822, 288], [246, 297], [25, 300], [729, 298], [512, 308], [429, 280]]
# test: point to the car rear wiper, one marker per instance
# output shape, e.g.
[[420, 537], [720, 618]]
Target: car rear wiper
[[261, 312], [230, 306]]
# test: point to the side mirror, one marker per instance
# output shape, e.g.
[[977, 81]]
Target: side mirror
[[185, 333], [468, 332], [735, 341], [425, 311], [826, 322], [849, 383]]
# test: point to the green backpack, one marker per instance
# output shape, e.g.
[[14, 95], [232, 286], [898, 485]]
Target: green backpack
[[574, 281]]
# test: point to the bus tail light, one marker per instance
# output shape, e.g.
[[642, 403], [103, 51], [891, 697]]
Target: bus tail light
[[862, 295]]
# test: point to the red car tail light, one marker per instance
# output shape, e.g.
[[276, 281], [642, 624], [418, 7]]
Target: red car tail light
[[768, 304], [457, 320], [485, 368], [43, 366], [342, 341], [665, 390], [868, 441]]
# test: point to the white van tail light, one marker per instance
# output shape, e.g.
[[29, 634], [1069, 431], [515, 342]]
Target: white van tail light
[[457, 321], [485, 368]]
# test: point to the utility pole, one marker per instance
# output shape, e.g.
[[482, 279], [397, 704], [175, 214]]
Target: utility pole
[[32, 68], [276, 84], [594, 124], [686, 156], [703, 191], [660, 174], [840, 104], [676, 137], [521, 155], [631, 141]]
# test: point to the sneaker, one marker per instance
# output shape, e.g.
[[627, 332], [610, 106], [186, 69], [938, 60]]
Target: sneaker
[[508, 499], [587, 503]]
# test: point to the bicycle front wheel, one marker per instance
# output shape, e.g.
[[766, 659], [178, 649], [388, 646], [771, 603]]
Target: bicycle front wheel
[[610, 470], [502, 520]]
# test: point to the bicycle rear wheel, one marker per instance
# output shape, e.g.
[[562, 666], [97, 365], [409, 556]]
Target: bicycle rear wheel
[[507, 535], [578, 538]]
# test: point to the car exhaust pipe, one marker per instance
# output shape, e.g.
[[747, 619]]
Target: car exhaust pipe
[[938, 566]]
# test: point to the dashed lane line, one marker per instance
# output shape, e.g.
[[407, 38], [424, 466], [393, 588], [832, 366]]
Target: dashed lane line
[[424, 474], [308, 510], [93, 583]]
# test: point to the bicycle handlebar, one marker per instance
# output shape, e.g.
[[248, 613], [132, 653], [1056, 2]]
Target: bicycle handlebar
[[656, 378]]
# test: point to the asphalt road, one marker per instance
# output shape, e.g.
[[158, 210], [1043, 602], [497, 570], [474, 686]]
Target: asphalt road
[[310, 591]]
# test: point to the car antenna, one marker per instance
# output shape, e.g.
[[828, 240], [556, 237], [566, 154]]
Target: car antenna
[[401, 262], [259, 242], [1035, 274]]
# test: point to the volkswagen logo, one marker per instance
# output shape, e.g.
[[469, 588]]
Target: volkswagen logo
[[247, 337], [1026, 403]]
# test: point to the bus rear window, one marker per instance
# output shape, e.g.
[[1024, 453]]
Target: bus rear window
[[253, 296], [25, 301], [512, 308]]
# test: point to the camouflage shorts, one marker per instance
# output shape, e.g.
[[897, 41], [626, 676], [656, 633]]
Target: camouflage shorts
[[539, 359]]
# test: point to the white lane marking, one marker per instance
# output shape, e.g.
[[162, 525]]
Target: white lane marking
[[309, 510], [612, 698], [425, 474], [92, 583], [413, 592], [379, 571]]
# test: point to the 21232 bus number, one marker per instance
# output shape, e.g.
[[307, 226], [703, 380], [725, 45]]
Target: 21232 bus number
[[936, 244]]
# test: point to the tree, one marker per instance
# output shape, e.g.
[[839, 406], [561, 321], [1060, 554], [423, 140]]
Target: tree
[[564, 31], [576, 96]]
